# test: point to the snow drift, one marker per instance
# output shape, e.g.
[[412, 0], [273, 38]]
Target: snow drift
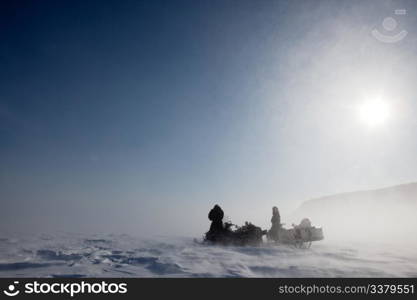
[[69, 255]]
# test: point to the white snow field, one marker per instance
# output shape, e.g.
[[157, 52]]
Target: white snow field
[[70, 255]]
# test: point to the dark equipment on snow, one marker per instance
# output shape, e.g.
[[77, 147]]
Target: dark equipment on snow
[[220, 233], [300, 236]]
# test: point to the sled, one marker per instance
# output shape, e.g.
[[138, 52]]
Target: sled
[[300, 237]]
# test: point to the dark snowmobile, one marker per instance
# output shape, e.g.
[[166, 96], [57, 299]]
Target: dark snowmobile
[[246, 235]]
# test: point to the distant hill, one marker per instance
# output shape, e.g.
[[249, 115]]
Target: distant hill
[[388, 212]]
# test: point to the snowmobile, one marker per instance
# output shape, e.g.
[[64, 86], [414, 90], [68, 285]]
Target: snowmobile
[[246, 235]]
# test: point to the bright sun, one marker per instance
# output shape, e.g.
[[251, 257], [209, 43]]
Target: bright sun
[[374, 112]]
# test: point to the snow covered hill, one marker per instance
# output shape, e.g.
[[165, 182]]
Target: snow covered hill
[[387, 214]]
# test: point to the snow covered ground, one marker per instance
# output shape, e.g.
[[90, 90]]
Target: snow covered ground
[[69, 255]]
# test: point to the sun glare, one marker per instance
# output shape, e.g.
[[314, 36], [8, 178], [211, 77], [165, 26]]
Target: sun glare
[[374, 112]]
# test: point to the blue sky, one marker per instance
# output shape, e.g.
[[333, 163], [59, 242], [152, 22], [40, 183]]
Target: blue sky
[[139, 116]]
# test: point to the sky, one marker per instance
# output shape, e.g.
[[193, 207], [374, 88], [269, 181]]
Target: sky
[[138, 116]]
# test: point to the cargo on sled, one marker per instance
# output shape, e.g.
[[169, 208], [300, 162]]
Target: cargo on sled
[[301, 236]]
